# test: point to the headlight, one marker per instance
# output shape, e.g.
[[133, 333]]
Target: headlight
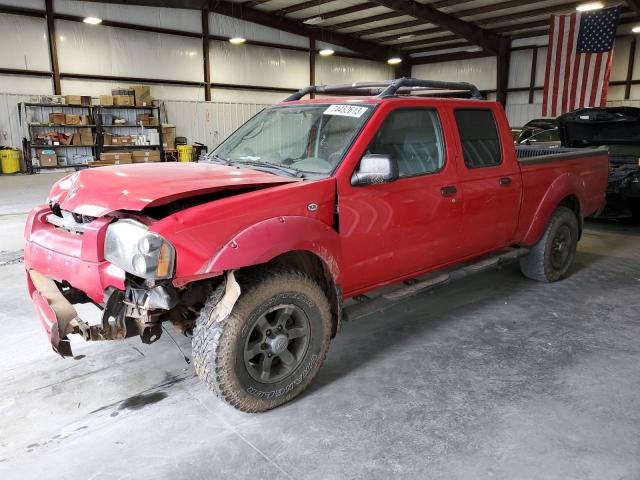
[[132, 247]]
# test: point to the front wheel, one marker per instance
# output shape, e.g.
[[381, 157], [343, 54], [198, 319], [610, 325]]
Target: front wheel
[[550, 259], [269, 348]]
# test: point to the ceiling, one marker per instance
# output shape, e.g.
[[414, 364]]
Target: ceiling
[[413, 29]]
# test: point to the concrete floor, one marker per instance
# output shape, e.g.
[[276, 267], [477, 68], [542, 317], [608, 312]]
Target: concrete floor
[[493, 377]]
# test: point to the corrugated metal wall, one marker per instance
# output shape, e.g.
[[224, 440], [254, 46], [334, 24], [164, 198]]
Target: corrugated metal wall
[[10, 132], [209, 122]]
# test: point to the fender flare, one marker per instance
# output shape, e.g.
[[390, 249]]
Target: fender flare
[[270, 238], [566, 185]]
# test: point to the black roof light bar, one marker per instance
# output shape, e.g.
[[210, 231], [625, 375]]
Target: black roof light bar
[[388, 88]]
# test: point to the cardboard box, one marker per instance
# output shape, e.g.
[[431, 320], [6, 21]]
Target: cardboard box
[[116, 158], [48, 159], [107, 138], [144, 156], [77, 139], [71, 119], [85, 120], [121, 140], [65, 139], [57, 118], [122, 91], [86, 136], [168, 136], [123, 100], [77, 100], [142, 94], [106, 100]]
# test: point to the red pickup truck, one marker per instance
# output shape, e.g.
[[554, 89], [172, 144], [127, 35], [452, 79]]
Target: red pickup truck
[[308, 204]]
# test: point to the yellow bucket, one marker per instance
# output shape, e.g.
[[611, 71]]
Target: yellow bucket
[[185, 153], [10, 160]]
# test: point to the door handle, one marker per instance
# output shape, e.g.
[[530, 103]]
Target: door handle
[[448, 191], [504, 181]]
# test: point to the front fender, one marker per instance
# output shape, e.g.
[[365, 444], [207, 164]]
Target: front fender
[[267, 239], [562, 187]]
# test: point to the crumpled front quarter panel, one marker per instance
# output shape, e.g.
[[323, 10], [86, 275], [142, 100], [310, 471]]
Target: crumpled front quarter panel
[[200, 234]]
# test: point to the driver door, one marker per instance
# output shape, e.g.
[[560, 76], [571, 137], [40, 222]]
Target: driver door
[[410, 225]]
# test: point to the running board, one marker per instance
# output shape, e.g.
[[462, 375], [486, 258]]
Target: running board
[[366, 305]]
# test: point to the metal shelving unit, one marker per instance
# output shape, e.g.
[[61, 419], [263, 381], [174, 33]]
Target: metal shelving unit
[[129, 112], [44, 109]]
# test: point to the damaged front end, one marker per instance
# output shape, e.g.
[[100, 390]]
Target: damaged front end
[[138, 310]]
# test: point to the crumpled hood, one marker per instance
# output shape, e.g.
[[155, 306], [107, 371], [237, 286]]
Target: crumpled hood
[[98, 191]]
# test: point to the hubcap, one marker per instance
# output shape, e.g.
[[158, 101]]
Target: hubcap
[[277, 343], [560, 248]]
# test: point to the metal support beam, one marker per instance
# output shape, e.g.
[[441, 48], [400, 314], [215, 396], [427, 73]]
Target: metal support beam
[[634, 4], [532, 80], [502, 76], [478, 36], [205, 54], [312, 63], [53, 47]]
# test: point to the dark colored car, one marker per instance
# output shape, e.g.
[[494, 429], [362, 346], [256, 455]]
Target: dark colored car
[[618, 128], [535, 126]]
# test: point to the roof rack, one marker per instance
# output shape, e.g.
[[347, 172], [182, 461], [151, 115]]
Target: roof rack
[[388, 88]]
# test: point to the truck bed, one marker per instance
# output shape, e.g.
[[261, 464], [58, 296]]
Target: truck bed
[[547, 170]]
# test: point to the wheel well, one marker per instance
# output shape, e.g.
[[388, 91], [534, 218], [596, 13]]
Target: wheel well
[[315, 267], [573, 203]]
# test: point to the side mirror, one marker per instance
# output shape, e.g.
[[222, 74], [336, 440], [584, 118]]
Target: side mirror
[[373, 169]]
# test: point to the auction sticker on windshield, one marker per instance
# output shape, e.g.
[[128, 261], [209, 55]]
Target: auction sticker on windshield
[[345, 110]]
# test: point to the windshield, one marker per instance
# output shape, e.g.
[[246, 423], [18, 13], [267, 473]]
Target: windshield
[[305, 138]]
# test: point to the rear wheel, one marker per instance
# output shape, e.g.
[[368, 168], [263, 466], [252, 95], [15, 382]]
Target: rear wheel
[[550, 259], [267, 351]]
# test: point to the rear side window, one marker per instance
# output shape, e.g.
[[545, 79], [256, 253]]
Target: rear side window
[[479, 138], [413, 137]]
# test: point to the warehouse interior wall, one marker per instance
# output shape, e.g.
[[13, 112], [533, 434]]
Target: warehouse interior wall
[[91, 58]]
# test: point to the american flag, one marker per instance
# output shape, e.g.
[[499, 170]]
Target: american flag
[[579, 60]]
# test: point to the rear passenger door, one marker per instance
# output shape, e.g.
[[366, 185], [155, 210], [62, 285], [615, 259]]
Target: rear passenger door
[[490, 182]]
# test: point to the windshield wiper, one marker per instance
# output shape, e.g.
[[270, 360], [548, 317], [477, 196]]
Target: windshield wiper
[[270, 167], [217, 159]]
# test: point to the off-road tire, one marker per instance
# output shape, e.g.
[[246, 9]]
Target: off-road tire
[[538, 264], [219, 345]]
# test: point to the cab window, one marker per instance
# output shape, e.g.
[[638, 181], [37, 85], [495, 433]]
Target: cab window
[[413, 138], [479, 138]]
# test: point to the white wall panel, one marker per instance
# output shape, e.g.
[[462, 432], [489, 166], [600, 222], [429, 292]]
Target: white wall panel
[[254, 65], [26, 85], [35, 4], [96, 88], [479, 71], [615, 92], [620, 63], [232, 27], [23, 43], [227, 95], [208, 122], [541, 66], [173, 18], [102, 50], [347, 70], [521, 42], [520, 113], [520, 68]]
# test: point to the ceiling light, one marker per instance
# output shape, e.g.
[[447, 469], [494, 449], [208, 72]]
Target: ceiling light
[[394, 61], [326, 52], [313, 21], [407, 36], [237, 40], [636, 29], [587, 7], [93, 20]]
